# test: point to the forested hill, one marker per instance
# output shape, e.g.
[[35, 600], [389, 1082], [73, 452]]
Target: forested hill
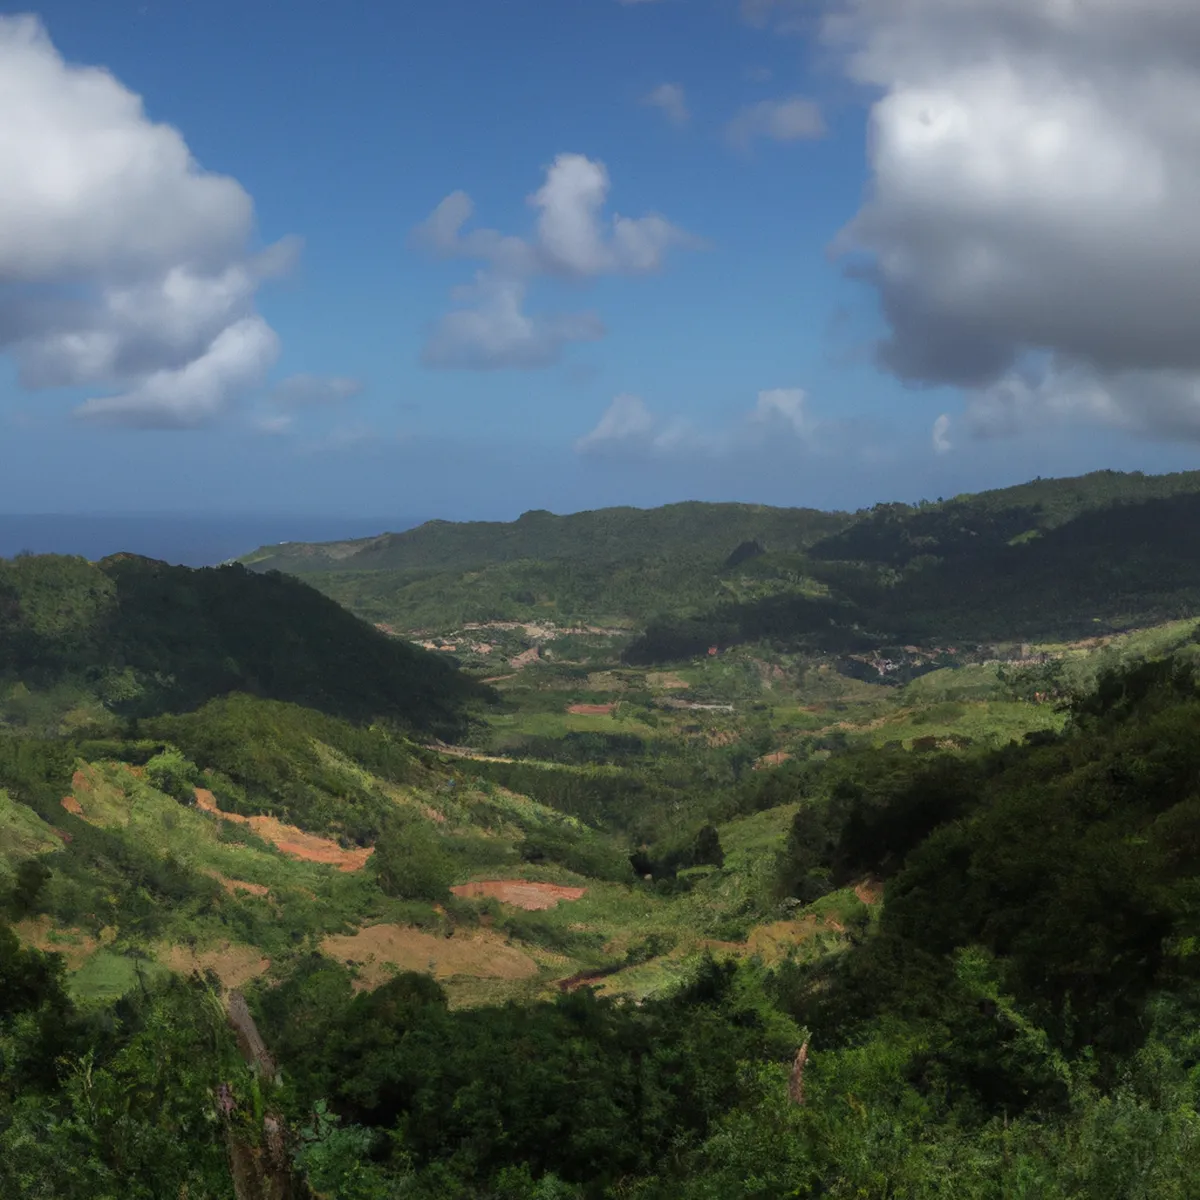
[[1048, 558], [693, 531], [135, 637]]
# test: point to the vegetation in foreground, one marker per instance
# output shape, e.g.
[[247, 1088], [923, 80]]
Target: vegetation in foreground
[[755, 924], [1017, 1017]]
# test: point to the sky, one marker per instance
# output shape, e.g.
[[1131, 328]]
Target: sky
[[470, 258]]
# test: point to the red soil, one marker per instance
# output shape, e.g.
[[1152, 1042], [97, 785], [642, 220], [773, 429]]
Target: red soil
[[233, 886], [591, 710], [519, 892], [870, 891], [72, 805], [292, 841], [776, 759]]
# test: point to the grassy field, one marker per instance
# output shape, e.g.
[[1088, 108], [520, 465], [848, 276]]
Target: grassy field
[[257, 897]]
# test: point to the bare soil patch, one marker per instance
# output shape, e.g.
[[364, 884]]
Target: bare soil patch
[[775, 759], [234, 965], [869, 891], [292, 841], [591, 710], [233, 886], [74, 945], [83, 783], [519, 892], [381, 950]]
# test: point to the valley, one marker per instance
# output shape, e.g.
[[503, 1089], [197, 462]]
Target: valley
[[471, 877]]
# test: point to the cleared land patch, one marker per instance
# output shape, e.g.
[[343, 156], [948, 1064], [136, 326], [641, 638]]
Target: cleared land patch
[[591, 710], [382, 950], [75, 945], [519, 892], [233, 886], [233, 964], [775, 759], [291, 841]]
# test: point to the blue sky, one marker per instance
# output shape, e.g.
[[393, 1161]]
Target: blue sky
[[713, 347]]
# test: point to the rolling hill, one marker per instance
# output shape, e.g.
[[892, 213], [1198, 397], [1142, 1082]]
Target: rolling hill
[[131, 637], [1053, 558]]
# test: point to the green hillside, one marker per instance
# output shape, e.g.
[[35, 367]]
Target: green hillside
[[608, 535], [291, 907], [1046, 559], [83, 642], [608, 567], [984, 958]]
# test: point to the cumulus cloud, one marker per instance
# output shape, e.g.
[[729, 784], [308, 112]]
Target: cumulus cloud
[[124, 264], [571, 240], [627, 419], [670, 99], [1032, 228], [791, 119], [496, 331], [1161, 402], [941, 434], [784, 404], [628, 427], [188, 396]]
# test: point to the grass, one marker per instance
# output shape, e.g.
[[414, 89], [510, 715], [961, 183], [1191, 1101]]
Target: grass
[[22, 834], [107, 975], [655, 933]]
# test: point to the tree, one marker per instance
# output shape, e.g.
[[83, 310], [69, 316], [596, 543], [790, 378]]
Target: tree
[[411, 861], [708, 849]]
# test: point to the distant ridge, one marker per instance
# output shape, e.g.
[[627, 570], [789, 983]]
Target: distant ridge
[[1044, 559], [609, 534]]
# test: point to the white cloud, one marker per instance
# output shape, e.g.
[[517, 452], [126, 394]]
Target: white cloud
[[791, 119], [497, 333], [306, 391], [670, 99], [571, 240], [570, 237], [1154, 402], [188, 396], [125, 264], [786, 405], [941, 434], [778, 419], [627, 419], [1032, 227]]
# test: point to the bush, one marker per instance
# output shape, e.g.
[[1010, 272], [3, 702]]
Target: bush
[[173, 774], [411, 861]]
